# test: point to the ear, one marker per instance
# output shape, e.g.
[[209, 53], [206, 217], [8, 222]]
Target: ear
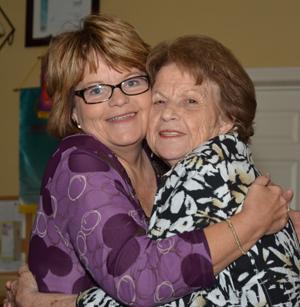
[[74, 116], [226, 125]]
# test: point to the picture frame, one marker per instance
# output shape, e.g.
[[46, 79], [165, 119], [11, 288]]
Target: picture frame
[[47, 18], [11, 239]]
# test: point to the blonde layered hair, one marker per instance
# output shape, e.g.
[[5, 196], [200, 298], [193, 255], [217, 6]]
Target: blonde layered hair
[[70, 53]]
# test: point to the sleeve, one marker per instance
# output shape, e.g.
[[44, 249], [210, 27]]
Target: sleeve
[[110, 239]]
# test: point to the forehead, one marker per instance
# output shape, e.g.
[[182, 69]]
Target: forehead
[[173, 73], [103, 72], [174, 80], [98, 65]]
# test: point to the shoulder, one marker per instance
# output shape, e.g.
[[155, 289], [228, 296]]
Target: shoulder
[[81, 153], [225, 147], [86, 154], [84, 142]]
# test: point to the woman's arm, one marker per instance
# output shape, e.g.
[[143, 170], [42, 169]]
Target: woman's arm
[[127, 264], [23, 292], [248, 225], [104, 227], [267, 200]]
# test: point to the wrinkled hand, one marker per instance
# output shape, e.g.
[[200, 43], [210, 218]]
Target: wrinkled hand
[[267, 205], [20, 291], [9, 300]]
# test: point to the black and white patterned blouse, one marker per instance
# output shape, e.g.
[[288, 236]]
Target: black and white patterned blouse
[[207, 187]]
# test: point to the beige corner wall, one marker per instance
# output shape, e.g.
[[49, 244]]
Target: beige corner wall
[[261, 33]]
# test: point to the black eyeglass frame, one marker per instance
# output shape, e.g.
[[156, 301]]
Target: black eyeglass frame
[[80, 93]]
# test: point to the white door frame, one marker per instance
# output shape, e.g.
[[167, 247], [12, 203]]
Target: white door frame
[[285, 79], [275, 76]]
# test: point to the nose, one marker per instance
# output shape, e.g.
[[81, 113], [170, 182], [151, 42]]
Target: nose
[[118, 98], [169, 112]]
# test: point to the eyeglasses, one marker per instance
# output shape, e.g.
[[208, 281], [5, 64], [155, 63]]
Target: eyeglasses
[[102, 92]]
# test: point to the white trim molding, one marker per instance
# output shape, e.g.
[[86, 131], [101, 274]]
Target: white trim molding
[[275, 76]]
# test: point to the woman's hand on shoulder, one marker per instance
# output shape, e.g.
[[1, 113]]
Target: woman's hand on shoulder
[[267, 205], [9, 300]]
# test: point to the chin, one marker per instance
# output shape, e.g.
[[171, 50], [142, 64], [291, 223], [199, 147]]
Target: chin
[[128, 141]]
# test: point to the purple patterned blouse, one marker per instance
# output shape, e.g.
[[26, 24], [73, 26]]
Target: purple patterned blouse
[[90, 230]]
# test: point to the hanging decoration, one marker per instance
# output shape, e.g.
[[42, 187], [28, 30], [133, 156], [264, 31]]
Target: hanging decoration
[[7, 30], [36, 145], [45, 104]]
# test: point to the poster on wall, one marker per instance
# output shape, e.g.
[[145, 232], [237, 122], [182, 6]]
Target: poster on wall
[[36, 145], [11, 224]]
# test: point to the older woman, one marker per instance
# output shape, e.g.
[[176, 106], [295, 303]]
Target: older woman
[[201, 122], [90, 227]]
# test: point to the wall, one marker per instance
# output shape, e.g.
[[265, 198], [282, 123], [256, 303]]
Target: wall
[[261, 33]]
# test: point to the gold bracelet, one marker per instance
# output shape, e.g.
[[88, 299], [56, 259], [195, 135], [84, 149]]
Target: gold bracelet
[[236, 237]]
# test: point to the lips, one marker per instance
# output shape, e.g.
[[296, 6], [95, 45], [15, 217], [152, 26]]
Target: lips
[[170, 133], [122, 117]]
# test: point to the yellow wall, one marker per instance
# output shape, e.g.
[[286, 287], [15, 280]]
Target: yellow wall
[[261, 33]]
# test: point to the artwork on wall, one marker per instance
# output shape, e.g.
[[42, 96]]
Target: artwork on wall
[[11, 222], [47, 18], [35, 144], [7, 29]]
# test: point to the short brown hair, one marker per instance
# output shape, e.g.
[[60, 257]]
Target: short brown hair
[[207, 59], [69, 53]]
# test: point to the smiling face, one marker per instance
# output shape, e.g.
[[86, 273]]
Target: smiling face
[[183, 114], [119, 122]]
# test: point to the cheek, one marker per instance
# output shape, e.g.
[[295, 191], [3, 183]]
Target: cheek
[[199, 128], [150, 133], [153, 116], [85, 117], [146, 101], [91, 113]]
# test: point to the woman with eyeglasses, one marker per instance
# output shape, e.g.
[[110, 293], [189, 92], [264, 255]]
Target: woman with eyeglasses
[[98, 188]]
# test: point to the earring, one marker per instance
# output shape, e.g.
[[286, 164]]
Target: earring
[[78, 126]]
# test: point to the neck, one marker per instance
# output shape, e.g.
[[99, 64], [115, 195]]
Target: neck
[[130, 156], [141, 174]]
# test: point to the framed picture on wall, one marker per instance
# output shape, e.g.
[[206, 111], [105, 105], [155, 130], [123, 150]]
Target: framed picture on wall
[[11, 224], [47, 18]]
